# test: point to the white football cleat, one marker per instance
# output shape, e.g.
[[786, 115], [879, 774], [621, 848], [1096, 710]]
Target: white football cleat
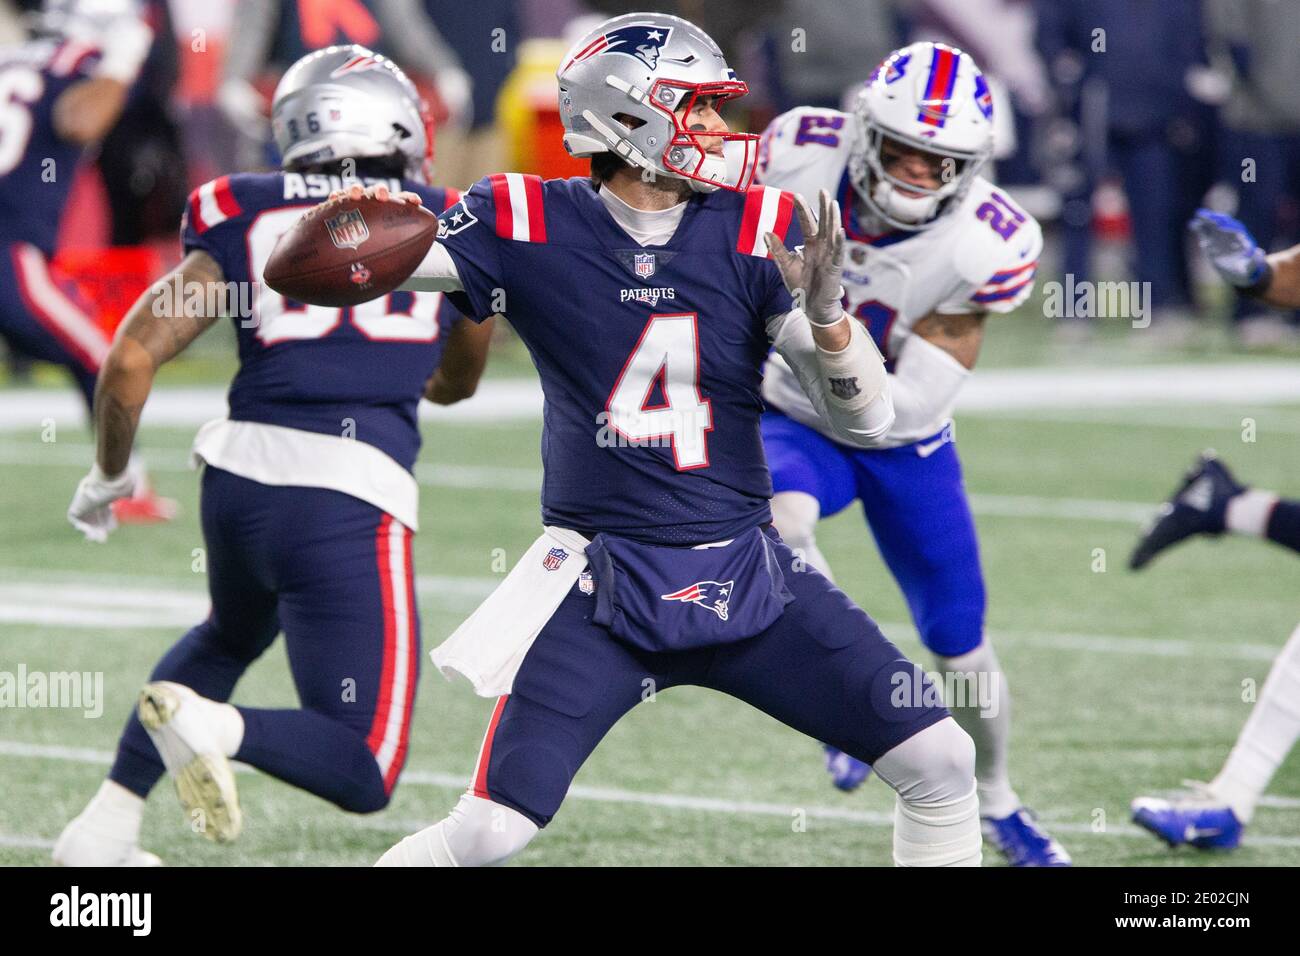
[[80, 844], [205, 783]]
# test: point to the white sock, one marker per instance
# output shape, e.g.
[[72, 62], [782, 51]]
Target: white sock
[[987, 719], [1271, 731], [477, 832], [227, 724], [1248, 512], [937, 816], [795, 515], [114, 812]]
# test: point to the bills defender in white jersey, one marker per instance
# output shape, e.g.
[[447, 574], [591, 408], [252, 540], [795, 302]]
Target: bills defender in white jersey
[[932, 248]]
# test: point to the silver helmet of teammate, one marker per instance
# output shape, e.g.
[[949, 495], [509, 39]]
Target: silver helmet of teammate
[[347, 102], [625, 86]]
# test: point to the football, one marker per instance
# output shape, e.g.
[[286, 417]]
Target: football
[[348, 251]]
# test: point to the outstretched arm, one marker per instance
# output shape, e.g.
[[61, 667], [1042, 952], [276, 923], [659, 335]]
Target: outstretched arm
[[155, 331], [835, 361]]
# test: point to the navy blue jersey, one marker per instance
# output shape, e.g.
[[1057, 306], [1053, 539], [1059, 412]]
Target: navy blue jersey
[[357, 372], [36, 165], [650, 357]]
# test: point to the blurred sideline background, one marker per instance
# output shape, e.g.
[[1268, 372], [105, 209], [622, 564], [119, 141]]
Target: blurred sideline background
[[1116, 119]]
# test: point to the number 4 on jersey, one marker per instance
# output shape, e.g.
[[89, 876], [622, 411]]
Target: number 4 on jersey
[[667, 357]]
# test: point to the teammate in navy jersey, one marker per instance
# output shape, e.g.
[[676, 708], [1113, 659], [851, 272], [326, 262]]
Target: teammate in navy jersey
[[309, 503], [648, 301], [60, 92]]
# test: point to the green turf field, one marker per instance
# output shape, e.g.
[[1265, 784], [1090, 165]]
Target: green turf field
[[1122, 683]]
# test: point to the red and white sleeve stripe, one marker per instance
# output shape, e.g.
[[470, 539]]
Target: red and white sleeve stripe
[[1006, 285], [212, 204], [450, 198], [767, 209], [518, 202]]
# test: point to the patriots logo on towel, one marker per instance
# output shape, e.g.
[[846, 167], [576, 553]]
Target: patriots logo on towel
[[714, 595], [554, 558], [641, 40]]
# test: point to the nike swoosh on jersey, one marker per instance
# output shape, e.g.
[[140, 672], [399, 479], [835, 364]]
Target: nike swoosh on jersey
[[929, 448]]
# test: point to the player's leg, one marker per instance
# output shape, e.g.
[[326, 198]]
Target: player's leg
[[208, 661], [812, 478], [917, 508], [575, 682], [825, 669], [45, 319], [346, 582], [1214, 815], [1211, 501]]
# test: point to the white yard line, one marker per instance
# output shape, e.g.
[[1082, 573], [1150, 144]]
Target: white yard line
[[119, 602], [615, 795], [529, 480], [520, 400]]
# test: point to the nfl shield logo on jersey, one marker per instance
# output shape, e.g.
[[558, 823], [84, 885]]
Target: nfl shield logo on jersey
[[554, 558], [348, 229], [643, 264], [586, 583]]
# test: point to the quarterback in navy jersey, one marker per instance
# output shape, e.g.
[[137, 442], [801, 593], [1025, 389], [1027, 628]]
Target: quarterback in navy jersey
[[648, 297], [309, 503], [61, 91]]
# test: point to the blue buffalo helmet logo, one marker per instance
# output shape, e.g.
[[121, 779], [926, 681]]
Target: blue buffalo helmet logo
[[713, 595], [983, 98], [893, 67], [643, 41]]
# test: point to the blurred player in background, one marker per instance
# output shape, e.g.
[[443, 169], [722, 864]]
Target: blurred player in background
[[932, 249], [648, 298], [1211, 502], [309, 504], [61, 92]]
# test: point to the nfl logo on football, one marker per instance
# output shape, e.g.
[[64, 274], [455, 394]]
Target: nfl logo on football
[[348, 229]]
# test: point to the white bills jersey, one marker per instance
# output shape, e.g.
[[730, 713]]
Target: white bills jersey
[[980, 256]]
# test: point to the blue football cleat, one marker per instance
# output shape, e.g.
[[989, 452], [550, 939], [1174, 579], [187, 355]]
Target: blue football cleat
[[1022, 841], [1197, 507], [1197, 818], [847, 773]]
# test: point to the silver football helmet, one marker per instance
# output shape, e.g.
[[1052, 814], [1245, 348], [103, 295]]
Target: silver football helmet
[[652, 68], [347, 102]]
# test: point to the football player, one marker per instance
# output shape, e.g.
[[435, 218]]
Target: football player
[[648, 296], [933, 248], [309, 504], [61, 92], [1212, 502]]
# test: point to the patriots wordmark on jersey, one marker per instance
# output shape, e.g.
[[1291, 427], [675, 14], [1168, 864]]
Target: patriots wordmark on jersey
[[650, 357], [979, 257]]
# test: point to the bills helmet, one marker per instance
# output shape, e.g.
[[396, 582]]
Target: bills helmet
[[623, 86], [347, 102], [933, 98]]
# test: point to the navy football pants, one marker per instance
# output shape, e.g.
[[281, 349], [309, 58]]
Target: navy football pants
[[918, 512], [823, 668], [334, 573], [43, 317]]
